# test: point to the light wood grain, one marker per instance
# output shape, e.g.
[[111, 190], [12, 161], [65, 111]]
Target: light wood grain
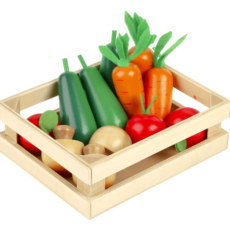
[[47, 144], [158, 173], [14, 104], [186, 85], [168, 137], [214, 130], [90, 190], [194, 89], [45, 175], [129, 183], [39, 93]]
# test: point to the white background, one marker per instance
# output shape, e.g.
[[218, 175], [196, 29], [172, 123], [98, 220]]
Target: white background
[[36, 35]]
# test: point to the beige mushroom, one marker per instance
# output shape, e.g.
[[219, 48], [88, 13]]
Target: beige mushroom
[[63, 134], [112, 138], [93, 149]]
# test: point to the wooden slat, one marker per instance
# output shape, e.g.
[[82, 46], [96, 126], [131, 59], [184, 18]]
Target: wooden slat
[[90, 190], [158, 173], [168, 137], [214, 130], [14, 104], [39, 94], [45, 175], [52, 148], [181, 82], [194, 89]]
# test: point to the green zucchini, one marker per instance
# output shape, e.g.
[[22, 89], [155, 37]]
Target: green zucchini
[[106, 108], [74, 107]]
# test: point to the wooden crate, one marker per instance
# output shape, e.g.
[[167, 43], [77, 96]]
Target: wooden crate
[[138, 167]]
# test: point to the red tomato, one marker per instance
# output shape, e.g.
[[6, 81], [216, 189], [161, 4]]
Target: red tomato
[[183, 114], [142, 126], [34, 119]]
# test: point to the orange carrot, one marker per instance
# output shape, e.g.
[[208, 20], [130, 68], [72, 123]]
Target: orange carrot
[[158, 81], [127, 78], [129, 85]]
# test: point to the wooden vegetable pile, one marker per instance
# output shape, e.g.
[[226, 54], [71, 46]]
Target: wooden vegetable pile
[[127, 100]]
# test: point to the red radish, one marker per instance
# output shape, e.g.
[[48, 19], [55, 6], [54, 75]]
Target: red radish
[[180, 115], [34, 119]]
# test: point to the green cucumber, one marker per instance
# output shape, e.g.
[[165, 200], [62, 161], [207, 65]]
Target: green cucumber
[[74, 106], [106, 108]]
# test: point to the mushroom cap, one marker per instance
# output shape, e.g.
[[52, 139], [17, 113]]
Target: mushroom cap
[[63, 132]]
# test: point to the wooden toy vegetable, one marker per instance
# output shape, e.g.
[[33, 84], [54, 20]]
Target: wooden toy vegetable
[[107, 66], [142, 126], [63, 134], [74, 107], [105, 106], [127, 77], [136, 26], [93, 149], [112, 138], [159, 81], [180, 115], [34, 119]]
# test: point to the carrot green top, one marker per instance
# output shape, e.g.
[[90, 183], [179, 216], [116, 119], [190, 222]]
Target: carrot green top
[[122, 45], [136, 26], [159, 59]]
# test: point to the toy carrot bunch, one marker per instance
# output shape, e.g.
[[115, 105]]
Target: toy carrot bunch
[[127, 76], [136, 25], [159, 81]]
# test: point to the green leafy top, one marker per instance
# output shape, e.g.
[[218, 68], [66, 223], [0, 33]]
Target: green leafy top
[[114, 35], [159, 59], [136, 26], [122, 45]]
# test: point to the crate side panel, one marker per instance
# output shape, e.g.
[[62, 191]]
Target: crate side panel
[[45, 175], [156, 143], [158, 173], [46, 143]]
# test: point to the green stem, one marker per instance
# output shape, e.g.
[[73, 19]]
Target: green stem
[[146, 111], [81, 59], [114, 36], [65, 64], [142, 104], [150, 106]]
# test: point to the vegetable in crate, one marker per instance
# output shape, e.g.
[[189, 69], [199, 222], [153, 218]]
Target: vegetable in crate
[[105, 106], [136, 26], [65, 132], [127, 77], [74, 107], [181, 115], [142, 126], [34, 119], [159, 81], [107, 66], [112, 138]]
